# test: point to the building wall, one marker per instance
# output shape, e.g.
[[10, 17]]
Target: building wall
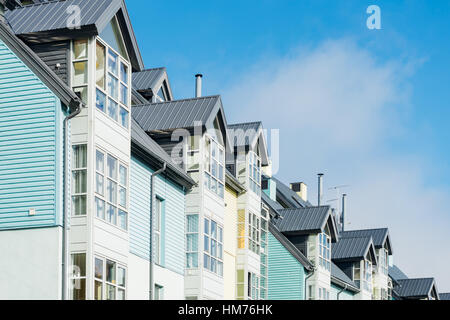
[[30, 267], [230, 244], [31, 140], [344, 295], [286, 273], [170, 272]]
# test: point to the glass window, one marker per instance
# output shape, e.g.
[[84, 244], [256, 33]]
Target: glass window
[[113, 109], [214, 175], [80, 48], [124, 117], [213, 247], [78, 276], [192, 229], [123, 73], [109, 277], [100, 65], [112, 62], [112, 167], [123, 175], [123, 94], [113, 88], [79, 179], [100, 208], [100, 101], [80, 73]]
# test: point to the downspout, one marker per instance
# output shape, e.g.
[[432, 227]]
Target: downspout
[[66, 226], [339, 293], [152, 196], [306, 280]]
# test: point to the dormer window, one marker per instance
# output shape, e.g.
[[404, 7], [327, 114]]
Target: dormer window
[[383, 257], [367, 282], [325, 251]]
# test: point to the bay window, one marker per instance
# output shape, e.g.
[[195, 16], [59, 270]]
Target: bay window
[[79, 179], [80, 68], [367, 283], [78, 276], [253, 233], [383, 261], [254, 172], [213, 247], [325, 251], [253, 286], [113, 84], [214, 166], [110, 280], [111, 190]]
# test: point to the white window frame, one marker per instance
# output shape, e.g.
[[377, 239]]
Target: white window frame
[[254, 172], [72, 67], [77, 277], [324, 241], [209, 238], [79, 169], [119, 186], [254, 233], [115, 283], [217, 179], [157, 228], [193, 253]]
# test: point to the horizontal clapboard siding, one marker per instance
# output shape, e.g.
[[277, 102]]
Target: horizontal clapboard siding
[[343, 295], [286, 273], [53, 54], [172, 256], [30, 148]]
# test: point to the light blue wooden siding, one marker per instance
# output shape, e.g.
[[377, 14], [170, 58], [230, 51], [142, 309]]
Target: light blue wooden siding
[[271, 190], [172, 236], [286, 273], [30, 147], [345, 295]]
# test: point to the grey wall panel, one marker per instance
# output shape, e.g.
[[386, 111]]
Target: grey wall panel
[[55, 53]]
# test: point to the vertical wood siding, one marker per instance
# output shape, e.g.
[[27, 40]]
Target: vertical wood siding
[[30, 147], [55, 53], [286, 273], [172, 236]]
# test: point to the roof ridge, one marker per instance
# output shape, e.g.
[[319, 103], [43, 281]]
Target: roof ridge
[[180, 100], [241, 123], [34, 4], [151, 69], [373, 229], [305, 208]]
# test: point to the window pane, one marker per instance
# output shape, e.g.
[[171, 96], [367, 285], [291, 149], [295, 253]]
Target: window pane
[[124, 117], [80, 48], [206, 261], [100, 101], [206, 226], [79, 289], [157, 248], [123, 175], [99, 268], [120, 294], [111, 272], [191, 242], [79, 205], [124, 94], [100, 66], [79, 73], [79, 181], [112, 167], [213, 248], [79, 156], [124, 73], [110, 292], [192, 223], [123, 219], [111, 192], [112, 62], [111, 214], [123, 197], [79, 265], [158, 206], [214, 229], [100, 162], [98, 290], [100, 208], [206, 244], [121, 276], [113, 87], [99, 184], [113, 109]]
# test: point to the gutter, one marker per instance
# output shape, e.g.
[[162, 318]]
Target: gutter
[[306, 279], [66, 215], [152, 196]]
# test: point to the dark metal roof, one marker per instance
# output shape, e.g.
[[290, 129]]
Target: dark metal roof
[[296, 253], [290, 196], [176, 114], [396, 274], [244, 134], [444, 296], [53, 17], [305, 220], [339, 277], [379, 236], [350, 249], [414, 288], [151, 80], [275, 206], [141, 138], [40, 69]]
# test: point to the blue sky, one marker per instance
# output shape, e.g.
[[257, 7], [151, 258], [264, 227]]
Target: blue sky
[[374, 114]]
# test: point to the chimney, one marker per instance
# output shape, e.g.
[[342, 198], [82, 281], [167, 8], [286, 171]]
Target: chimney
[[344, 201], [301, 189], [320, 189], [198, 85]]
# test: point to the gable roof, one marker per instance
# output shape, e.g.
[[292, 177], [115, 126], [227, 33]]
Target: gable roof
[[353, 249], [247, 135], [306, 220], [39, 68], [140, 138], [289, 196], [396, 274], [151, 80], [415, 288], [296, 253], [339, 278], [49, 19], [444, 296], [379, 236]]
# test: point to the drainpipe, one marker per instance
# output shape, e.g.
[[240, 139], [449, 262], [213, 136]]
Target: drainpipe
[[306, 280], [65, 218], [339, 293], [152, 196]]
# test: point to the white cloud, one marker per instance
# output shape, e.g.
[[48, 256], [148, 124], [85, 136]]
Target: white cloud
[[337, 109]]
